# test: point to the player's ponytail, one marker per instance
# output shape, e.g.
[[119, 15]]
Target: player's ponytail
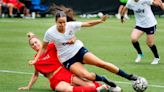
[[31, 35], [69, 13]]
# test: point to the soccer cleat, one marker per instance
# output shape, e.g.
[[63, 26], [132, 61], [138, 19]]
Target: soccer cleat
[[102, 88], [139, 57], [115, 89], [126, 17], [118, 16], [133, 77], [155, 61]]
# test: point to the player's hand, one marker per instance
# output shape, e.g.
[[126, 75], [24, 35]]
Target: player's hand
[[72, 40], [24, 88], [31, 62], [104, 18]]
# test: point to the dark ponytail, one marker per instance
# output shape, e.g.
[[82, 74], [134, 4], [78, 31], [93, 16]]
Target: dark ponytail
[[68, 12]]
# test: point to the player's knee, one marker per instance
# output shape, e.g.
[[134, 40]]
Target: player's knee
[[101, 65], [90, 76], [149, 43], [133, 40], [90, 84]]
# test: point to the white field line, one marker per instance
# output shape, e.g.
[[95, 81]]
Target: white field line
[[16, 72], [120, 82]]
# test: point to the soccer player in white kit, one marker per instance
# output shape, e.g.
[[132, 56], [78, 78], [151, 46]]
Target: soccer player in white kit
[[145, 23], [73, 54]]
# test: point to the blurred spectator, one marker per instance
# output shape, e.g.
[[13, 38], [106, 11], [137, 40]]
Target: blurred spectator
[[15, 4], [122, 5], [1, 2]]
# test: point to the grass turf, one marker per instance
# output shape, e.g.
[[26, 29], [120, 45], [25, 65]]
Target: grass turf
[[110, 41]]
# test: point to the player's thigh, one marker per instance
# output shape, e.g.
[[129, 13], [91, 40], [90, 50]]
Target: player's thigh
[[78, 81], [79, 70], [136, 34], [91, 59], [64, 87]]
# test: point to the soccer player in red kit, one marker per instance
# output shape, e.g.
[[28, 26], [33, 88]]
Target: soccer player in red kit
[[11, 4], [60, 78]]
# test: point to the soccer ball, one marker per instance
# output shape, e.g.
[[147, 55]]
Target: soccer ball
[[140, 85], [100, 14]]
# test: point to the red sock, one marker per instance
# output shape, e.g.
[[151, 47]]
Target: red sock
[[84, 89], [97, 84]]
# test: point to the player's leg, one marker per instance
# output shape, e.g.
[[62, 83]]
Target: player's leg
[[66, 87], [11, 7], [135, 35], [78, 69], [152, 46], [78, 81], [91, 59]]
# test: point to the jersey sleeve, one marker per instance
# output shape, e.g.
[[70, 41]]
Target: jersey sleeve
[[149, 2], [47, 37], [76, 25], [128, 5]]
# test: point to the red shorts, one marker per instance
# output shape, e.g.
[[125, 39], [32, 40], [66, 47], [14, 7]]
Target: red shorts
[[61, 75], [18, 5]]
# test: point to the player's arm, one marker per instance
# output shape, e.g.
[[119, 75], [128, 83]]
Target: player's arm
[[43, 48], [94, 22], [33, 79], [72, 40], [158, 3], [124, 9]]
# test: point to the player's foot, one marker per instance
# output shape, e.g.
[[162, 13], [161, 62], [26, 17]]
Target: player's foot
[[133, 77], [126, 17], [115, 89], [102, 88], [155, 61], [139, 58], [118, 16]]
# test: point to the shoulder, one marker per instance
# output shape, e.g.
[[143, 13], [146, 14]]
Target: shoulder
[[74, 23], [51, 45], [51, 29]]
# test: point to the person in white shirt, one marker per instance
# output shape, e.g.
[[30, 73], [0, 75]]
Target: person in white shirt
[[145, 23], [72, 54]]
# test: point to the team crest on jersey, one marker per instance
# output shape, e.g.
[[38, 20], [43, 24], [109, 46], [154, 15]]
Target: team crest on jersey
[[140, 11], [46, 57], [70, 32]]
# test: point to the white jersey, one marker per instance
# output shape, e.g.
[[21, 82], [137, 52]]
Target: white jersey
[[143, 13], [65, 51]]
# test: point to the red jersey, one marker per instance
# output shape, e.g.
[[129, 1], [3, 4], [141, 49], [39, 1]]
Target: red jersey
[[48, 61], [11, 1], [16, 3]]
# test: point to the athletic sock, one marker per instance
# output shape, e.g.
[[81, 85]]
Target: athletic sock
[[154, 50], [105, 80], [125, 75], [137, 47], [84, 89]]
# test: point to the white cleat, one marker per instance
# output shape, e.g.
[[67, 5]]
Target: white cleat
[[102, 88], [139, 58], [115, 89], [126, 17], [155, 61], [118, 16]]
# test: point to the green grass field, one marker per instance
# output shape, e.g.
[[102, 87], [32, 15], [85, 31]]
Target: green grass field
[[109, 41]]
